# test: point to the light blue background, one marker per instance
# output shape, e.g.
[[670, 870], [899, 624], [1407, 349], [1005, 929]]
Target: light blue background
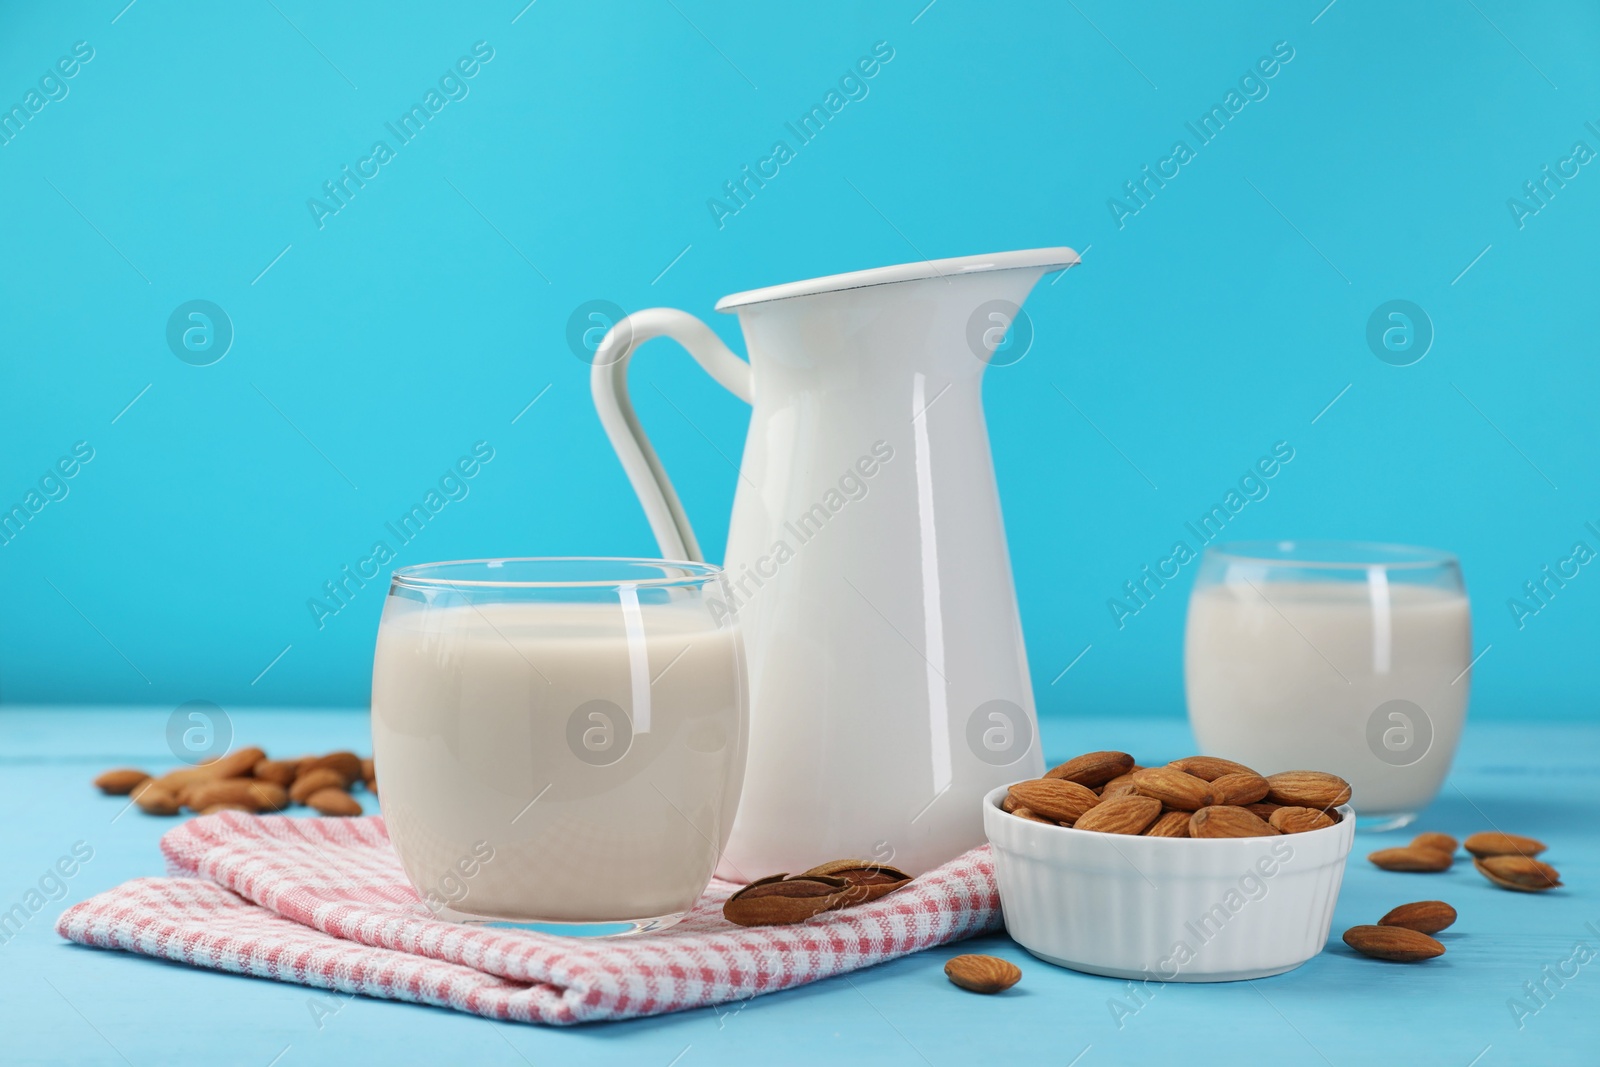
[[427, 314]]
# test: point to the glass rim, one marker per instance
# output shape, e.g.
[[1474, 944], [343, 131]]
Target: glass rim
[[1314, 554], [696, 573]]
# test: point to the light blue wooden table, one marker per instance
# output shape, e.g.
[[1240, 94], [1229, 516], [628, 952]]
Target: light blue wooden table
[[62, 1003]]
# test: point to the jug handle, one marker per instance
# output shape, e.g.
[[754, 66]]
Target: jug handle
[[608, 382]]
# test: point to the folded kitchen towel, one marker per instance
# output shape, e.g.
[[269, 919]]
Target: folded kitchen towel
[[324, 902]]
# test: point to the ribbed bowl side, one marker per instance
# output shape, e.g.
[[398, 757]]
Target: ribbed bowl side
[[1169, 909]]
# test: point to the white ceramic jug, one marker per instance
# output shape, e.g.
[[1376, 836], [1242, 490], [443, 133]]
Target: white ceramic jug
[[867, 559]]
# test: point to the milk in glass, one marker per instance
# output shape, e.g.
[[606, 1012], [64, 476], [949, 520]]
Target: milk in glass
[[1366, 679], [593, 752]]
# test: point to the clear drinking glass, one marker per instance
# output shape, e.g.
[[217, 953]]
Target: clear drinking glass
[[1333, 656], [559, 741]]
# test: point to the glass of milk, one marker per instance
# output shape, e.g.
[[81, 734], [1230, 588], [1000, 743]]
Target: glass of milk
[[559, 741], [1333, 656]]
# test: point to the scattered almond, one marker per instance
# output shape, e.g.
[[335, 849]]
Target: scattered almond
[[1522, 873], [1093, 768], [780, 900], [1225, 821], [867, 881], [1171, 824], [1121, 815], [346, 764], [982, 974], [1394, 943], [1209, 768], [1060, 799], [1308, 789], [278, 771], [314, 781], [175, 781], [1411, 859], [1439, 842], [1174, 788], [119, 783], [236, 764], [333, 801], [244, 780], [1238, 789], [1424, 916], [154, 799], [1299, 820], [248, 793], [1494, 843]]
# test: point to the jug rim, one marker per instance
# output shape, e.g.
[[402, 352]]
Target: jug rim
[[1051, 259]]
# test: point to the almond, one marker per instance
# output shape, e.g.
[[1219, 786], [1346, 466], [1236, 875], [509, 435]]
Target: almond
[[1262, 809], [314, 781], [868, 881], [780, 900], [346, 764], [154, 799], [245, 792], [119, 783], [1308, 789], [369, 772], [216, 809], [1120, 786], [278, 771], [1173, 788], [1522, 873], [1494, 843], [1410, 859], [1439, 842], [1299, 820], [333, 801], [1008, 803], [1424, 916], [175, 781], [1209, 768], [1225, 821], [982, 974], [236, 764], [1055, 798], [1394, 943], [1171, 824], [1121, 815], [271, 796], [1093, 768], [1026, 813], [1238, 789]]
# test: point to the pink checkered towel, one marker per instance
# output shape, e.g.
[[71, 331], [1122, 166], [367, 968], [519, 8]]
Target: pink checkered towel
[[323, 902]]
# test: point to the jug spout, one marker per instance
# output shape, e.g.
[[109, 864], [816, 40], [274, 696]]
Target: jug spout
[[947, 317], [1041, 260]]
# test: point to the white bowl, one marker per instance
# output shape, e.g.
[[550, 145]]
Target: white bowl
[[1164, 908]]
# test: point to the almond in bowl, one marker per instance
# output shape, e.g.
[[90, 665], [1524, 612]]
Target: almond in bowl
[[1200, 870]]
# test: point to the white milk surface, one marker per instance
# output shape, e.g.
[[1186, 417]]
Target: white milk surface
[[1292, 675], [487, 740]]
